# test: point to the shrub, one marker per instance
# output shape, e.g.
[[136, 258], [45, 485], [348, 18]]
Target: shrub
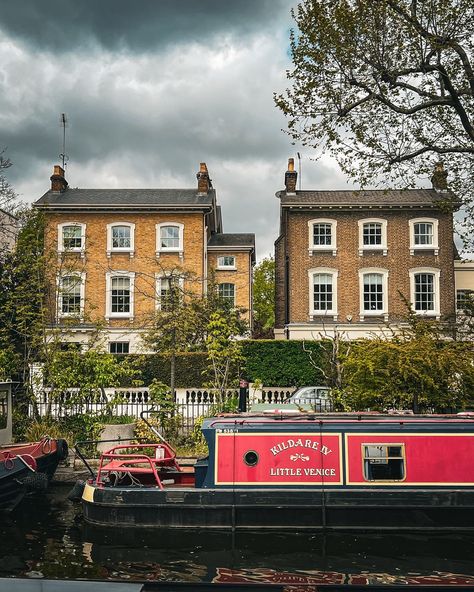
[[283, 363]]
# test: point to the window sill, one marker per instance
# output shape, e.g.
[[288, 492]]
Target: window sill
[[70, 315], [428, 314], [178, 252], [129, 252], [423, 249], [317, 250], [119, 315], [226, 268], [373, 315], [318, 316], [378, 249], [80, 252]]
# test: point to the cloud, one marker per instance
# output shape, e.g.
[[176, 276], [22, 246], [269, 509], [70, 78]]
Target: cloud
[[138, 25], [144, 113]]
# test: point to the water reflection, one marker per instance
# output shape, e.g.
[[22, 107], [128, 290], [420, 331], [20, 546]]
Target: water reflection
[[48, 538]]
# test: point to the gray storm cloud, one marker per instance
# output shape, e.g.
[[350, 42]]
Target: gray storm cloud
[[140, 25], [150, 90]]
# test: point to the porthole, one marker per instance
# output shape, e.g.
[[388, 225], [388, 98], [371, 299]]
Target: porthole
[[251, 458]]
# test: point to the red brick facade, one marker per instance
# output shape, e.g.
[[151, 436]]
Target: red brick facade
[[396, 262]]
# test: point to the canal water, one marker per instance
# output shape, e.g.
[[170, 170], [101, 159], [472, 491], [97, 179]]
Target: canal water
[[46, 537]]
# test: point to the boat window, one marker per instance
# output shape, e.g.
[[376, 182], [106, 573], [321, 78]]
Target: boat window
[[3, 409], [384, 462], [251, 458]]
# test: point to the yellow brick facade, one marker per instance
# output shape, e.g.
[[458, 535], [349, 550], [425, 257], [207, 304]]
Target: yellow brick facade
[[240, 277], [144, 261]]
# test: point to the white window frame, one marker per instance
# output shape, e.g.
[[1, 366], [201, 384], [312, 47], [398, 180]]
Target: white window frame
[[373, 313], [318, 313], [161, 250], [224, 297], [163, 276], [437, 273], [119, 341], [81, 275], [226, 267], [108, 295], [435, 246], [111, 249], [82, 248], [383, 245], [463, 292], [312, 248]]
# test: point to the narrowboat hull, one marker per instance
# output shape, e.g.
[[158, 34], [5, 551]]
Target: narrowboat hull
[[367, 509], [306, 472], [26, 467], [12, 488]]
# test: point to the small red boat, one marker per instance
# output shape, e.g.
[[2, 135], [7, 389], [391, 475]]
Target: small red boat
[[23, 466], [28, 466]]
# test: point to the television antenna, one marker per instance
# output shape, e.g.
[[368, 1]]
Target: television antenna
[[64, 124], [299, 169]]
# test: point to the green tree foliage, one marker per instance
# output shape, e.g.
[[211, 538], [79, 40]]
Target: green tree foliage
[[264, 299], [23, 300], [182, 320], [84, 375], [8, 196], [417, 369], [224, 351], [385, 86]]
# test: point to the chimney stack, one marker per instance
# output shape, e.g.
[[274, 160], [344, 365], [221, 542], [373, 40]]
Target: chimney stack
[[58, 182], [439, 179], [204, 183], [291, 176]]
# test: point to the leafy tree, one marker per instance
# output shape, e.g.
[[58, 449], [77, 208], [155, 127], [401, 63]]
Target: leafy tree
[[416, 369], [8, 195], [224, 350], [84, 375], [264, 299], [23, 299], [182, 319], [386, 86]]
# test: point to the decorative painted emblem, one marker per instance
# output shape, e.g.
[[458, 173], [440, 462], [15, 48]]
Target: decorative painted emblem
[[295, 457]]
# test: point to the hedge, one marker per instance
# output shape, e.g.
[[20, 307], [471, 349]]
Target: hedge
[[274, 363], [282, 362], [189, 368]]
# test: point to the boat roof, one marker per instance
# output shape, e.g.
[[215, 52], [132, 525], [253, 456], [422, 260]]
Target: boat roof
[[279, 418]]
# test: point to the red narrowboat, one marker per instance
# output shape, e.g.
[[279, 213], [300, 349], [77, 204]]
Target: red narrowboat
[[305, 471]]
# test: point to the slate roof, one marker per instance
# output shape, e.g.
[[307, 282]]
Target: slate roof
[[370, 197], [232, 240], [99, 198]]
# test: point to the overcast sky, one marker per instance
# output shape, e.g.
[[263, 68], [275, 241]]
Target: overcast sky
[[151, 88]]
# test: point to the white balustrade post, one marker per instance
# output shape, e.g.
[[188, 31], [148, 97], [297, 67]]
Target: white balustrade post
[[255, 393]]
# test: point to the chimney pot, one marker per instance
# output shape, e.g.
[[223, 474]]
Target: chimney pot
[[291, 177], [204, 183], [58, 181]]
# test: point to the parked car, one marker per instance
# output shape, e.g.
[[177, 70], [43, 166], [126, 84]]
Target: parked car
[[306, 398]]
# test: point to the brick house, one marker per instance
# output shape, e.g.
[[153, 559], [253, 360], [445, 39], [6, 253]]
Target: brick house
[[351, 260], [116, 252]]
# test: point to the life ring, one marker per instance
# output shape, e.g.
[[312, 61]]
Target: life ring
[[46, 445]]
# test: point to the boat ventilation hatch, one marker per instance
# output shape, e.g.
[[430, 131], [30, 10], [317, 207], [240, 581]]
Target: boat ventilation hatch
[[251, 458]]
